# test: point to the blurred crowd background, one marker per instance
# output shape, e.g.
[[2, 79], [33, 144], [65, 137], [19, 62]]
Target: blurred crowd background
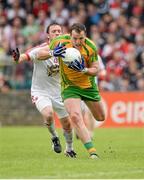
[[116, 27]]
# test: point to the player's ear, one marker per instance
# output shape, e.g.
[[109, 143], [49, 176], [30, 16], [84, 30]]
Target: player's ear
[[48, 36]]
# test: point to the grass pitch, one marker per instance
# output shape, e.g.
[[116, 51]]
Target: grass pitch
[[25, 152]]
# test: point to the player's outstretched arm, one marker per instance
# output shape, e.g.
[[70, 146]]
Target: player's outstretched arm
[[40, 53], [45, 53]]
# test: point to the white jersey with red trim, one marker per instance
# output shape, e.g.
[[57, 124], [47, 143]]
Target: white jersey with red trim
[[101, 64], [101, 67], [45, 79]]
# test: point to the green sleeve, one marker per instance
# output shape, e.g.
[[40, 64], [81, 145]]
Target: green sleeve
[[94, 57], [53, 43], [59, 39]]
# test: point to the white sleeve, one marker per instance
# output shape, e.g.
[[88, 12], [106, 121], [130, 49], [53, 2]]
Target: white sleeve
[[101, 64], [33, 53]]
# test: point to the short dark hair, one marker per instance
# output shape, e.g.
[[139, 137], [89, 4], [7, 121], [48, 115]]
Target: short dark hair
[[52, 24], [78, 27]]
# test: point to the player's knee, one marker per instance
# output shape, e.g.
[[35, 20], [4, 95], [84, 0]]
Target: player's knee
[[101, 117], [75, 118], [66, 124], [48, 117], [67, 127]]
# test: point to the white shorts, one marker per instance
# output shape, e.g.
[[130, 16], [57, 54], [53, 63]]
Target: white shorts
[[84, 107], [41, 101]]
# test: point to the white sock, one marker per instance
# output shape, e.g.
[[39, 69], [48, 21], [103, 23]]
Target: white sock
[[69, 140]]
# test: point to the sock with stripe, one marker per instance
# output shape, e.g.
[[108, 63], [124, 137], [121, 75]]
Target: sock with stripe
[[90, 148]]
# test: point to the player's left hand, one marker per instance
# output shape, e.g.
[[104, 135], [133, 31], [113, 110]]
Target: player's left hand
[[16, 54], [59, 50], [77, 66]]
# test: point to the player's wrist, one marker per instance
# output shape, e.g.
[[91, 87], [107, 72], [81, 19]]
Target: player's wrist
[[85, 70], [51, 53]]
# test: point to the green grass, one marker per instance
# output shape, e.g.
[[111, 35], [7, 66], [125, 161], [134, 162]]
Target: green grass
[[25, 152]]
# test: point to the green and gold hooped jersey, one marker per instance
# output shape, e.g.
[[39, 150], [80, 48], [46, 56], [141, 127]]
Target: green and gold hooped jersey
[[71, 77]]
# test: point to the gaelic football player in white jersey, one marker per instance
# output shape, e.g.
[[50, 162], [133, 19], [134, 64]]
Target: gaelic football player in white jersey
[[45, 90]]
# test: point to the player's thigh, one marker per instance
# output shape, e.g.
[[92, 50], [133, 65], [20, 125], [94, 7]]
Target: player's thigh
[[89, 120], [43, 104], [85, 113], [97, 109], [73, 105], [59, 107]]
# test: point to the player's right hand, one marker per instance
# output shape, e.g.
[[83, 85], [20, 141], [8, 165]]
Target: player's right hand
[[16, 54], [77, 66], [59, 50]]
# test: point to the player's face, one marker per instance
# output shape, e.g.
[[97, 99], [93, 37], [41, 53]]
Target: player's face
[[54, 31], [78, 39]]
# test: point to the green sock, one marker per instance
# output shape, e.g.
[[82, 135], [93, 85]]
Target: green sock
[[90, 147]]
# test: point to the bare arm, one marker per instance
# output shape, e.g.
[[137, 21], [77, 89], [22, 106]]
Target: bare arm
[[38, 53], [93, 69], [17, 57], [44, 53], [23, 57]]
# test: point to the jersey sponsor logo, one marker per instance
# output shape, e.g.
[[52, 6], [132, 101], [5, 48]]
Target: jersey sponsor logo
[[52, 70], [52, 66]]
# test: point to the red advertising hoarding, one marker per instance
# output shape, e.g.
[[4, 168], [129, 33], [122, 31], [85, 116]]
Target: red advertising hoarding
[[123, 109]]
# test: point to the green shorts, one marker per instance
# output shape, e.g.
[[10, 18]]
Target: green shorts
[[89, 94]]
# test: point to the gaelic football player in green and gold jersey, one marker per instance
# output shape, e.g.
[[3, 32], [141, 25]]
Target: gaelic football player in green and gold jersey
[[78, 82]]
